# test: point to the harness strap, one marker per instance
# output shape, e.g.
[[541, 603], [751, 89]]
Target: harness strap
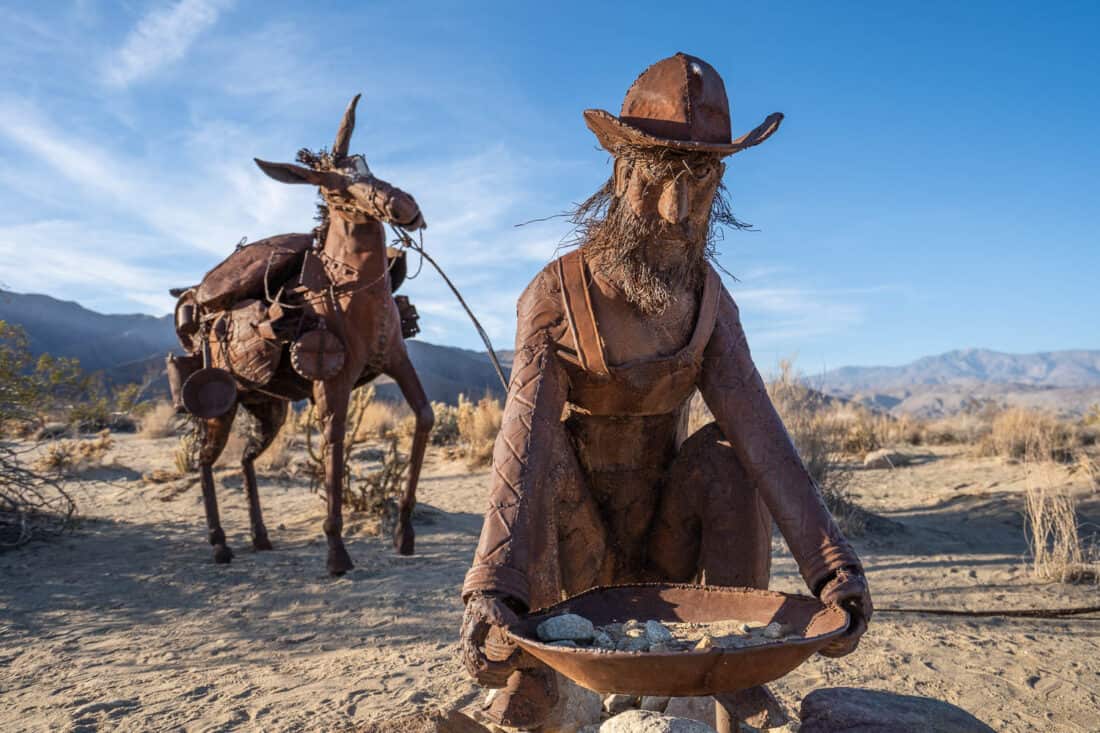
[[574, 278]]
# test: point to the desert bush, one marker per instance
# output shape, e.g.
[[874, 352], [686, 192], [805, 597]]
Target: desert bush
[[159, 421], [1031, 435], [806, 414], [67, 457], [965, 428], [379, 418], [478, 425], [186, 456], [445, 430], [32, 506], [1058, 551], [277, 457], [378, 493]]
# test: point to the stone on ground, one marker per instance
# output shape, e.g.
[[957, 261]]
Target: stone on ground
[[854, 710], [646, 721], [886, 458]]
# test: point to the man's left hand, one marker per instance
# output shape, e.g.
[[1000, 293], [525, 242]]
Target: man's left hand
[[849, 591]]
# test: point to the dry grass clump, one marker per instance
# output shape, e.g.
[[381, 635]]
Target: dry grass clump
[[68, 457], [445, 428], [380, 418], [159, 421], [186, 456], [813, 429], [1022, 434], [965, 428], [478, 425], [1059, 552]]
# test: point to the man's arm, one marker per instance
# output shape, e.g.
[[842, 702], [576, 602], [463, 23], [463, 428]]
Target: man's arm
[[536, 396], [735, 393]]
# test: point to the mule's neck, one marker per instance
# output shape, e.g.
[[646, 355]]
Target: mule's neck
[[361, 245]]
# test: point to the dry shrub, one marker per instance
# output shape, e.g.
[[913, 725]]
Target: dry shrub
[[377, 494], [380, 418], [31, 505], [965, 428], [159, 421], [1031, 435], [186, 456], [277, 458], [445, 429], [1054, 536], [478, 425], [68, 457], [807, 415]]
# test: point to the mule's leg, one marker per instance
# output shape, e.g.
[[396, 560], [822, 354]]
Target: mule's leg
[[270, 414], [331, 398], [214, 433], [404, 374]]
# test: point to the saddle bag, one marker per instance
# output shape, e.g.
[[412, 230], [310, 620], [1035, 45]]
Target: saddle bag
[[243, 342], [179, 368], [243, 274]]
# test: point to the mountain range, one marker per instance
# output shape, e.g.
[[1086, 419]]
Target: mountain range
[[129, 347]]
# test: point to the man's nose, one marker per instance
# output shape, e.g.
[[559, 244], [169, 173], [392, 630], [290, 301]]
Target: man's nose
[[673, 204]]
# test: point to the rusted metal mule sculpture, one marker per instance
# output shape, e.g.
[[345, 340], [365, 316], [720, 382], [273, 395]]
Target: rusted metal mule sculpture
[[325, 300]]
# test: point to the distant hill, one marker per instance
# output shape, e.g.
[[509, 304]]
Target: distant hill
[[65, 328], [971, 366], [1061, 381], [126, 348]]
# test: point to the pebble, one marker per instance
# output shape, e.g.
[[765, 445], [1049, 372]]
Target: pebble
[[776, 630], [634, 628], [656, 632], [603, 640], [633, 644], [705, 643], [567, 643], [568, 626]]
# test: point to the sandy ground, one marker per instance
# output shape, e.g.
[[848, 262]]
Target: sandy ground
[[128, 625]]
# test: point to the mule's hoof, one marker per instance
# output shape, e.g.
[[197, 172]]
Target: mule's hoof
[[222, 554], [404, 539], [339, 561], [261, 543]]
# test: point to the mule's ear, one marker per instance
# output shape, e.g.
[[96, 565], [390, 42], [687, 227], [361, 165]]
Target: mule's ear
[[289, 173], [343, 135]]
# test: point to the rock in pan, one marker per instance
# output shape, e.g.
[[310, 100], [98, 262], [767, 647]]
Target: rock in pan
[[567, 627], [645, 721]]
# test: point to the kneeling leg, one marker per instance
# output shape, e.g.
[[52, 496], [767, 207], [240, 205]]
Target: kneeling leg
[[712, 525]]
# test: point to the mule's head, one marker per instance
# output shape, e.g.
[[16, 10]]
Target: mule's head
[[349, 188]]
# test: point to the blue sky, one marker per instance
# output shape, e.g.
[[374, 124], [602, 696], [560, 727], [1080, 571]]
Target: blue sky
[[934, 185]]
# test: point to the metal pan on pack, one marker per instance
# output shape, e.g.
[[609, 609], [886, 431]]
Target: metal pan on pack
[[687, 673], [209, 393]]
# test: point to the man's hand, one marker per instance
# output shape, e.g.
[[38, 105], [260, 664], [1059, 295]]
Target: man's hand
[[485, 611], [849, 591]]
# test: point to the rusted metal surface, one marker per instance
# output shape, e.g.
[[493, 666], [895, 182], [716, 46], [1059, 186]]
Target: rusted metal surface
[[209, 393], [317, 355], [593, 481], [179, 369], [684, 674], [305, 315], [244, 273]]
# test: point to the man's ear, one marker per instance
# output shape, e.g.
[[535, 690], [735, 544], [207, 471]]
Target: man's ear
[[290, 173], [621, 176]]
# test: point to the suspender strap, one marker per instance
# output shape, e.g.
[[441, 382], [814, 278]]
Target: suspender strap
[[574, 278]]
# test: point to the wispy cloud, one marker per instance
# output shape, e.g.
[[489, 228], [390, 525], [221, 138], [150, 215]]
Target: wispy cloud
[[161, 37]]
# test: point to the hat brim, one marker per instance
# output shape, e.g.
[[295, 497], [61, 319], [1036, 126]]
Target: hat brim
[[614, 134]]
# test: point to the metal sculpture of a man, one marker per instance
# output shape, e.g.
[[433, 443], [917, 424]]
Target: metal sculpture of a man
[[592, 482]]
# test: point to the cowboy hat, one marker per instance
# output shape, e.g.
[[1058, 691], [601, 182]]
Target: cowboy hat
[[679, 103]]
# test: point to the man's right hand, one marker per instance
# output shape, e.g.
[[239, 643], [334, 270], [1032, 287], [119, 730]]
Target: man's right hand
[[484, 612]]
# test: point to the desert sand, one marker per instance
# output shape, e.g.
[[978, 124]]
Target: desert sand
[[126, 624]]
